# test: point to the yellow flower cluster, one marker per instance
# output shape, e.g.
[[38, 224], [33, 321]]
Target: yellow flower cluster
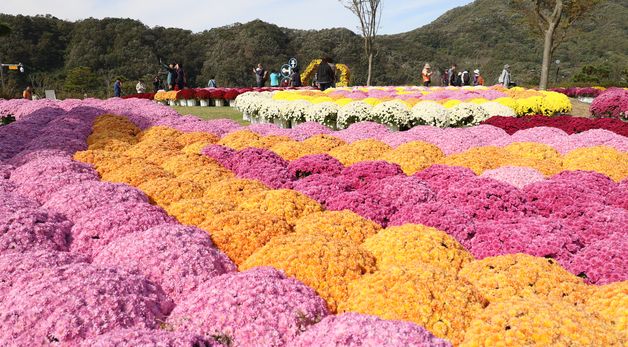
[[601, 159], [196, 211], [345, 75], [135, 173], [240, 233], [206, 176], [165, 191], [410, 244], [342, 225], [187, 139], [240, 139], [166, 96], [325, 264], [363, 150], [324, 143], [478, 159], [113, 133], [234, 190], [538, 322], [521, 275], [419, 293], [415, 156], [292, 150], [610, 302], [181, 163], [283, 203]]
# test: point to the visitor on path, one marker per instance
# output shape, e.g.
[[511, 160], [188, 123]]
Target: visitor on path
[[465, 78], [117, 88], [172, 75], [505, 78], [28, 93], [260, 75], [156, 84], [325, 75], [458, 80], [335, 70], [478, 80], [140, 87], [181, 80], [426, 74], [295, 78], [275, 78], [212, 82], [445, 78], [453, 75]]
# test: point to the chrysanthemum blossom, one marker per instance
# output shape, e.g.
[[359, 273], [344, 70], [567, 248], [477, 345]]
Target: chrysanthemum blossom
[[134, 338], [287, 204], [196, 211], [165, 191], [235, 190], [357, 330], [343, 225], [33, 229], [256, 307], [610, 302], [99, 300], [176, 257]]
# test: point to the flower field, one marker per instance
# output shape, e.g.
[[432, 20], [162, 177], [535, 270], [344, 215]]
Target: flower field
[[399, 107], [126, 224]]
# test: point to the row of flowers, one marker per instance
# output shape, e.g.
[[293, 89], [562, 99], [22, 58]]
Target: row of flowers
[[612, 103], [580, 92], [209, 93], [457, 278], [288, 108], [570, 125]]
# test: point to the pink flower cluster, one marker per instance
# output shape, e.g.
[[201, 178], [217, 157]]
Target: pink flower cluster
[[575, 92], [612, 103], [570, 125]]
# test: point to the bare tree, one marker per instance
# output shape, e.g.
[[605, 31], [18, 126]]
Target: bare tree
[[369, 14], [553, 18]]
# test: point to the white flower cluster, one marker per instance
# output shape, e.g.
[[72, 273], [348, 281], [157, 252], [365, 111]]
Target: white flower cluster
[[353, 112], [392, 113]]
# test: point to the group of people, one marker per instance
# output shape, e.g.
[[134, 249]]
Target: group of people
[[455, 78], [176, 77], [276, 78]]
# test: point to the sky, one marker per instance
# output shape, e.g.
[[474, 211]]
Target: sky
[[397, 16]]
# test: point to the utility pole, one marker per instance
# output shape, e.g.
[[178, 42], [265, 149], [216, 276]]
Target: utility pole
[[18, 67]]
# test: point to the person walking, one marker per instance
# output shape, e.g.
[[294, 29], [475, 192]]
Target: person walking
[[453, 76], [117, 88], [478, 80], [156, 84], [325, 75], [140, 87], [275, 78], [260, 75], [426, 75], [212, 82], [465, 78], [335, 70], [181, 81], [28, 93], [505, 78]]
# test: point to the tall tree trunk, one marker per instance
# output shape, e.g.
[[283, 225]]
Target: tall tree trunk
[[368, 79], [547, 56]]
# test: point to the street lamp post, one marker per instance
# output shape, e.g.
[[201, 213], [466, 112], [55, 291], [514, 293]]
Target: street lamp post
[[18, 67], [557, 69]]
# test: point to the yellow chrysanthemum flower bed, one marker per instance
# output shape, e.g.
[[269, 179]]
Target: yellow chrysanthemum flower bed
[[270, 141], [240, 233], [111, 145], [195, 148], [410, 244], [323, 143], [537, 322], [207, 175], [283, 203], [165, 191], [158, 133], [419, 293], [415, 156], [113, 123], [187, 139], [479, 159], [105, 136], [179, 164], [234, 190], [292, 150], [135, 173], [342, 225], [325, 264], [99, 158], [240, 139], [521, 275], [363, 150], [610, 302], [601, 159], [155, 150], [196, 211]]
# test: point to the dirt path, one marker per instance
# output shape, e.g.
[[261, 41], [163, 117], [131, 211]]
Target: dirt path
[[580, 109]]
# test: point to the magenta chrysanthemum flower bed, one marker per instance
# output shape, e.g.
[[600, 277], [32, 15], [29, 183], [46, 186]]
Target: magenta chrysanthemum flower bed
[[134, 338], [260, 306], [178, 258]]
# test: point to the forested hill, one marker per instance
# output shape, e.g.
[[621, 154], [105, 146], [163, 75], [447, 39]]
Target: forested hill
[[485, 34]]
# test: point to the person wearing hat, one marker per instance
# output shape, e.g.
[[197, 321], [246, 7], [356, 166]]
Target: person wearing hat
[[427, 75], [504, 79], [478, 80]]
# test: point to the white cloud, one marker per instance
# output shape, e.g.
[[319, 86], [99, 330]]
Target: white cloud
[[198, 15]]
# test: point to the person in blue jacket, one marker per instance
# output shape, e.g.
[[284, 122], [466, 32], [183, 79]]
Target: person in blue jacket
[[171, 78], [275, 78], [117, 88]]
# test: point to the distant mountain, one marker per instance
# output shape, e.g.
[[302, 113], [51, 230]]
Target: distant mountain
[[485, 34]]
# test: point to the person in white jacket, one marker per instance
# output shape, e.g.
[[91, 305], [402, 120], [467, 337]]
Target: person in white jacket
[[504, 79], [140, 87]]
